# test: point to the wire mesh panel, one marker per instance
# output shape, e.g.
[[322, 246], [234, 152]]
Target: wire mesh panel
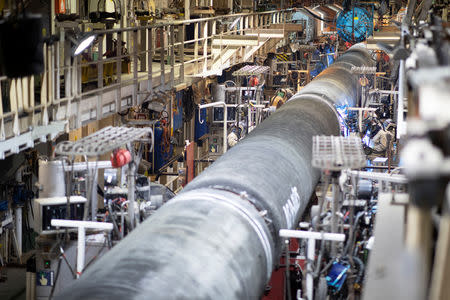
[[363, 70], [337, 153], [102, 141], [251, 70]]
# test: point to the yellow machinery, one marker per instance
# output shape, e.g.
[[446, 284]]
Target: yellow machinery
[[281, 96], [145, 10], [89, 73]]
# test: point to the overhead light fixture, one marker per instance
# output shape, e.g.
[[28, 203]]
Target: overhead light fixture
[[82, 43], [235, 22]]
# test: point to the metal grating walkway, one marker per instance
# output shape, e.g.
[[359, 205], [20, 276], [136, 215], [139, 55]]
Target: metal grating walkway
[[102, 141]]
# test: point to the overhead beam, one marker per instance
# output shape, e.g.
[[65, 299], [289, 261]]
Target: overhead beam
[[265, 33], [289, 27], [235, 40]]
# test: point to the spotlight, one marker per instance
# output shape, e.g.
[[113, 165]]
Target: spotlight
[[82, 43], [235, 22]]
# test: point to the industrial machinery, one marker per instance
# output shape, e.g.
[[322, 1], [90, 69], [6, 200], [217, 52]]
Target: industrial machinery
[[46, 209], [354, 25], [240, 104], [174, 162], [420, 243], [281, 96], [220, 235], [60, 256]]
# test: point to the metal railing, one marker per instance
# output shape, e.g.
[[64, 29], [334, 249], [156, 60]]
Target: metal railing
[[153, 60]]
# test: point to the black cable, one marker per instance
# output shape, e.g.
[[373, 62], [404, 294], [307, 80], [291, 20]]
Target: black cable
[[56, 279], [113, 218], [28, 227], [63, 255]]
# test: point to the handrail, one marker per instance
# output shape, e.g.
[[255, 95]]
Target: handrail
[[111, 90], [190, 21]]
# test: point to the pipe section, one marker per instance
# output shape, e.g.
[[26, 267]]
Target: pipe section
[[218, 239]]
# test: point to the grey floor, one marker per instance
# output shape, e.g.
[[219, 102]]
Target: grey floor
[[14, 286]]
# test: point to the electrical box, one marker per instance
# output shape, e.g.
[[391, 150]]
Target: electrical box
[[46, 209], [215, 142]]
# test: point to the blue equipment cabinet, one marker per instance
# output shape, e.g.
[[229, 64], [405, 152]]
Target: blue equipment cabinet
[[178, 111], [163, 152], [201, 124]]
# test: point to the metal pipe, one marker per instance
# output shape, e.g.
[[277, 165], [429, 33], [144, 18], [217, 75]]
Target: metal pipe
[[19, 230], [388, 177], [225, 128], [334, 211], [401, 128], [302, 234], [131, 182], [218, 239]]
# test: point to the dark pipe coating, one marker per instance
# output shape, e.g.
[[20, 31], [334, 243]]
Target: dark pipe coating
[[218, 239]]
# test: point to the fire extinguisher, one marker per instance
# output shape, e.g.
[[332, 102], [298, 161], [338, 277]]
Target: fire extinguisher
[[60, 7], [120, 157]]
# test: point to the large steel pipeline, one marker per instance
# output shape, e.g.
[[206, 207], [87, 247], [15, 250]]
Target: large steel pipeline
[[218, 239]]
